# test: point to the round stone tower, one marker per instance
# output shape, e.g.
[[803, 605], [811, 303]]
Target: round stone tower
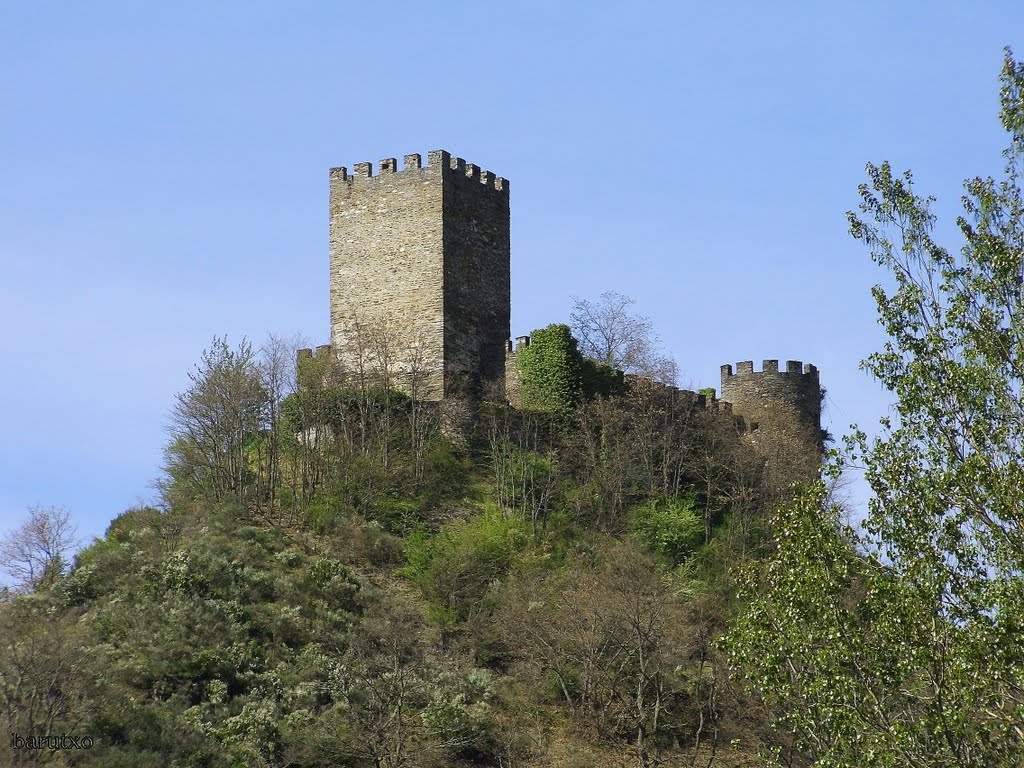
[[779, 412]]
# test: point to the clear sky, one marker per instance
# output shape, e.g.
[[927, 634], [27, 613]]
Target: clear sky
[[164, 180]]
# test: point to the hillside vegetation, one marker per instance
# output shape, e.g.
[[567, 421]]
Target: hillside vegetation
[[332, 582]]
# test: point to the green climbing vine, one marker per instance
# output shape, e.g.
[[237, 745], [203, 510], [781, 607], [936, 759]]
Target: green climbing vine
[[551, 370], [555, 375]]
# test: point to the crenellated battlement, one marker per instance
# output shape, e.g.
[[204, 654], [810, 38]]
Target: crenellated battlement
[[322, 352], [770, 368], [439, 162], [705, 402], [514, 345], [778, 410]]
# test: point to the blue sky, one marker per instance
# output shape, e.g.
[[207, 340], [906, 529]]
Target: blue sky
[[165, 167]]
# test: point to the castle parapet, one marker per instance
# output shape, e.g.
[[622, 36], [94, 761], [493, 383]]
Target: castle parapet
[[322, 352], [783, 407], [439, 161], [794, 368]]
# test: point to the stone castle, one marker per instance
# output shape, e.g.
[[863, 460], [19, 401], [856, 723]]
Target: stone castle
[[422, 254]]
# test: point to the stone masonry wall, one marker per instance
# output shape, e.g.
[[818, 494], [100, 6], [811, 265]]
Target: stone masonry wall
[[780, 411], [513, 378], [421, 254], [477, 284], [386, 272]]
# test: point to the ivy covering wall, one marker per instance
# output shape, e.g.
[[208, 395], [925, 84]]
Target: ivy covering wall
[[555, 375]]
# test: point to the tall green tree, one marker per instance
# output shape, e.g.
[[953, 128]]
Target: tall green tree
[[901, 641]]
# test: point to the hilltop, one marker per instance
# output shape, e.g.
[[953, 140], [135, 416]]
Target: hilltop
[[333, 582]]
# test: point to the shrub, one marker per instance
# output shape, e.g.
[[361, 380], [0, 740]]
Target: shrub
[[455, 568], [324, 514], [445, 473], [334, 582], [131, 521], [672, 529], [600, 379]]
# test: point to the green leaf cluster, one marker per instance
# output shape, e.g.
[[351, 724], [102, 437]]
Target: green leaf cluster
[[457, 566], [556, 376], [551, 370], [671, 528]]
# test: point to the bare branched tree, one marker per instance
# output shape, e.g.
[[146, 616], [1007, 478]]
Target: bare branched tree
[[279, 374], [34, 553], [613, 641], [526, 469], [424, 417], [610, 332], [214, 421]]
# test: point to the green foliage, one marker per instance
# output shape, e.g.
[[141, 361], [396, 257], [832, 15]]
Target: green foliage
[[417, 553], [133, 521], [213, 423], [797, 611], [333, 582], [446, 474], [898, 643], [551, 370], [360, 487], [324, 514], [456, 567], [599, 379], [556, 376], [395, 515], [525, 481], [323, 403], [181, 573], [671, 528], [192, 646]]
